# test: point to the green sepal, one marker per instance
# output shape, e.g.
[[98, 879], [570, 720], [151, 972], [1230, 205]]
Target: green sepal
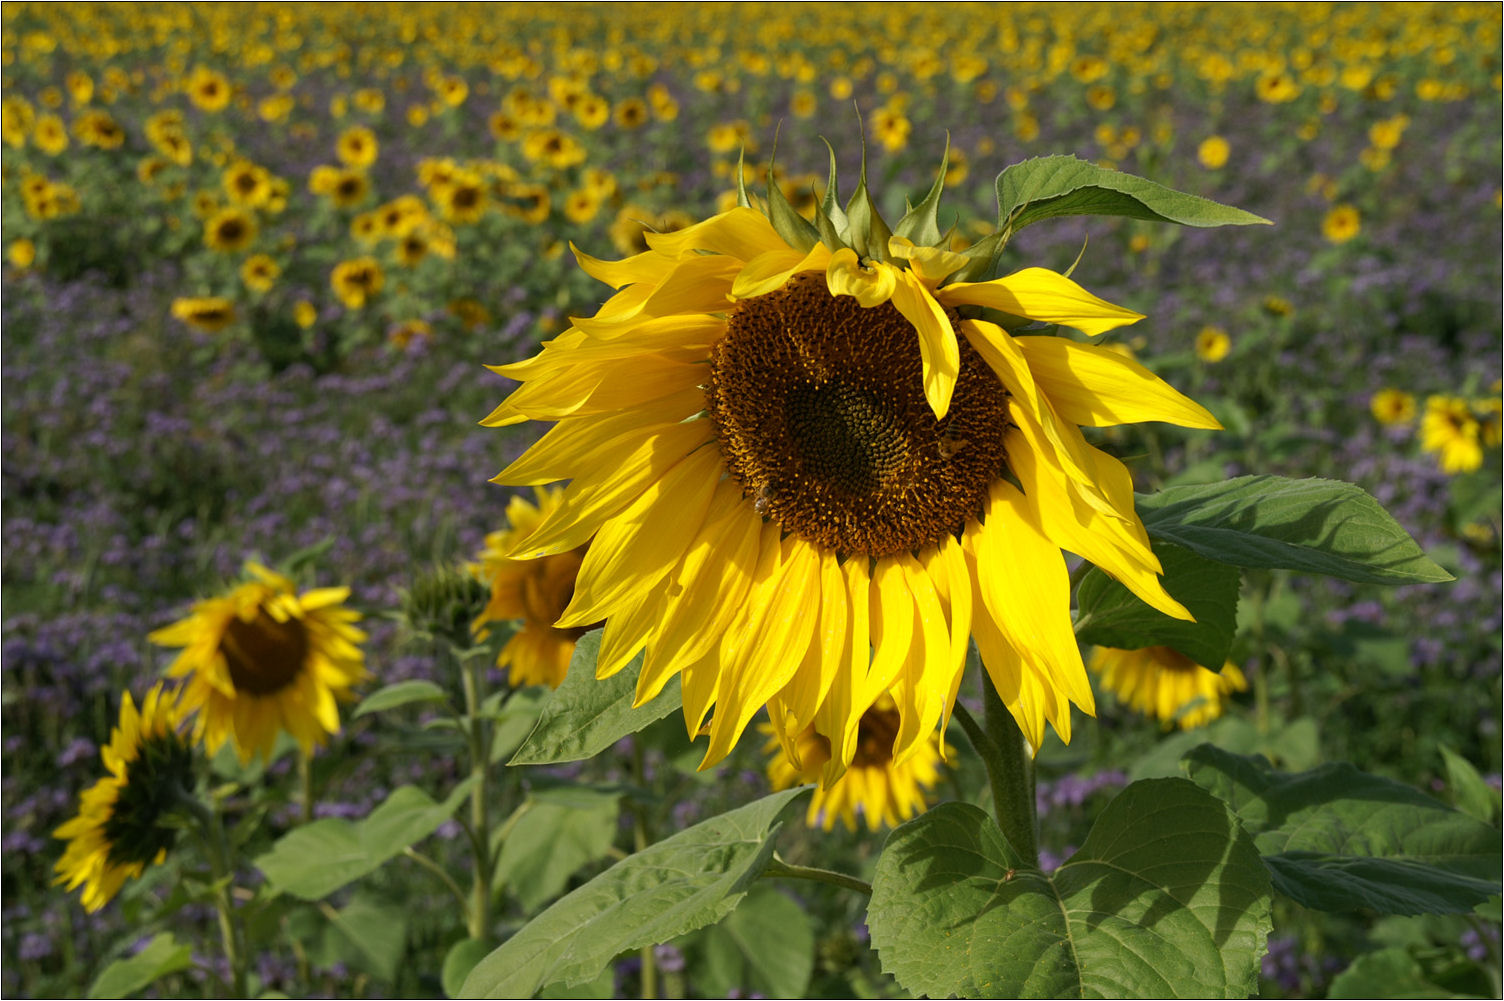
[[921, 223], [831, 219], [741, 180], [868, 232], [985, 255], [796, 230]]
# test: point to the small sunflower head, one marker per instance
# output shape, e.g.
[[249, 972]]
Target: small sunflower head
[[443, 602]]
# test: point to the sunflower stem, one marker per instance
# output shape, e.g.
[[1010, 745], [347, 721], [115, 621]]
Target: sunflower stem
[[305, 782], [216, 848], [1010, 767], [779, 869], [480, 764], [640, 840]]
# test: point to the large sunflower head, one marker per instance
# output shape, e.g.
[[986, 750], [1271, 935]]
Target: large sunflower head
[[875, 785], [812, 461], [262, 658], [534, 592], [1164, 683], [120, 825]]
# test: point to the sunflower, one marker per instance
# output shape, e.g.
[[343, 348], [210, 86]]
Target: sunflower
[[1450, 430], [1392, 406], [1164, 683], [247, 184], [1212, 344], [884, 791], [211, 313], [534, 591], [22, 254], [263, 658], [229, 230], [347, 188], [97, 128], [807, 476], [260, 272], [357, 147], [50, 136], [463, 198], [356, 281], [1212, 153], [119, 831], [1341, 224], [208, 89]]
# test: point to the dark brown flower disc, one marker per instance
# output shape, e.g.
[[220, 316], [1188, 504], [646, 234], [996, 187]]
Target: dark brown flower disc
[[819, 407], [264, 655]]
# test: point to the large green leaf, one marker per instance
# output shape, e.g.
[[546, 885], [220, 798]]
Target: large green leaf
[[316, 859], [1470, 793], [1388, 973], [376, 933], [124, 977], [1167, 898], [1050, 186], [1337, 839], [584, 716], [688, 881], [399, 694], [766, 945], [1112, 616], [553, 836], [1316, 526]]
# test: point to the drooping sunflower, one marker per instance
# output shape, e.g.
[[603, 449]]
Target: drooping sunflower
[[262, 658], [119, 831], [1162, 682], [875, 786], [534, 591], [809, 469]]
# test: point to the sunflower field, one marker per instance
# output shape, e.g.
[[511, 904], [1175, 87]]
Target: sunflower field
[[994, 500]]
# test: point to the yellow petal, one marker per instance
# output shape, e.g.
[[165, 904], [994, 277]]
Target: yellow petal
[[633, 550], [597, 494], [871, 284], [929, 672], [828, 654], [696, 285], [1042, 295], [946, 565], [932, 264], [646, 267], [770, 270], [835, 712], [938, 349], [741, 232], [1098, 387]]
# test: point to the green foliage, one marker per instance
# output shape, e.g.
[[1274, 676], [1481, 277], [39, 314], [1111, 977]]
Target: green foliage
[[1389, 973], [1049, 186], [555, 832], [124, 977], [684, 882], [1166, 898], [459, 961], [766, 945], [1336, 839], [375, 930], [1313, 525], [318, 858], [1110, 615], [400, 694], [584, 716], [1470, 793]]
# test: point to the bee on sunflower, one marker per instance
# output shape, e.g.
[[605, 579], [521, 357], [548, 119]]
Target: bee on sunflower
[[812, 461], [123, 822], [262, 658]]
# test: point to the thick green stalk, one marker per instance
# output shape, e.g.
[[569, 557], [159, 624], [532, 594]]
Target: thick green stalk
[[477, 733], [305, 781], [641, 840], [216, 847], [1013, 785]]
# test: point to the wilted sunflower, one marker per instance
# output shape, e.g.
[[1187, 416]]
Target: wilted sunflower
[[534, 591], [809, 470], [119, 831], [1164, 683], [263, 658], [876, 786]]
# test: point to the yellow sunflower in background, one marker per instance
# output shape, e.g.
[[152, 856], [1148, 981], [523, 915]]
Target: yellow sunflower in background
[[118, 830], [1450, 430], [229, 230], [209, 313], [357, 147], [875, 786], [262, 658], [1164, 683], [1392, 406], [1212, 344], [208, 89], [534, 591], [807, 478], [357, 281]]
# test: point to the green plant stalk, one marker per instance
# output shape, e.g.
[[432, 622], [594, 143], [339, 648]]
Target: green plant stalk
[[216, 848], [305, 781], [779, 869], [476, 734], [640, 840], [1013, 776]]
